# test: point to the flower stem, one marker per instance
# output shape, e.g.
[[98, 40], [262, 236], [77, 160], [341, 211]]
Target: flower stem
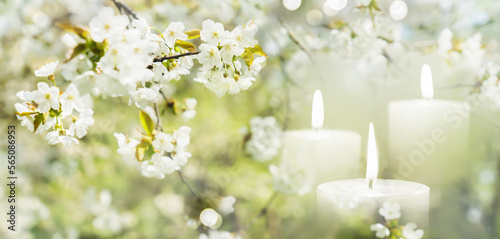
[[187, 184]]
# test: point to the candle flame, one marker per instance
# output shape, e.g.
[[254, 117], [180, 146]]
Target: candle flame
[[318, 113], [372, 158], [426, 83]]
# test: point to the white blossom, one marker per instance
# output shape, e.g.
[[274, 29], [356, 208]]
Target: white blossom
[[209, 56], [390, 210], [225, 206], [174, 31], [410, 231], [142, 96], [106, 24], [212, 32], [214, 234], [163, 142], [245, 36], [182, 137], [71, 100], [381, 231], [265, 141], [126, 148], [80, 127], [289, 179], [47, 69], [189, 113], [46, 97]]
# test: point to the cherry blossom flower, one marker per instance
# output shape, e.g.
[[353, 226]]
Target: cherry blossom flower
[[290, 179], [106, 24], [381, 231], [71, 100], [47, 69], [390, 210], [126, 148], [163, 142], [189, 113], [182, 137], [213, 32], [209, 56], [410, 231], [174, 31], [265, 141], [46, 97], [81, 125], [225, 206]]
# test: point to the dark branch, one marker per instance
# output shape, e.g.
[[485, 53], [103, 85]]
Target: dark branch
[[163, 58], [125, 10]]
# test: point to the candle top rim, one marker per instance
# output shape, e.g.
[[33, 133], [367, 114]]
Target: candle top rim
[[426, 101], [320, 131], [381, 188]]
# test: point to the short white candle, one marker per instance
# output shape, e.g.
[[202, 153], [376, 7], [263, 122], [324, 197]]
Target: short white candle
[[325, 155], [343, 203], [425, 135]]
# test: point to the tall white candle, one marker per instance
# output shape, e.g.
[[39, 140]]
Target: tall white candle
[[354, 205], [325, 155], [426, 135]]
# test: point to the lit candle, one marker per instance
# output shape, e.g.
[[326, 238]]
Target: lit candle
[[346, 205], [323, 154], [426, 134]]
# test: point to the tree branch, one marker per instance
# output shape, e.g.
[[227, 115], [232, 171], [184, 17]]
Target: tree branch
[[125, 10], [163, 58], [295, 40], [263, 211]]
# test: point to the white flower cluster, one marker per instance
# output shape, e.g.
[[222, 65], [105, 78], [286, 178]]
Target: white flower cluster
[[222, 71], [290, 179], [265, 140], [48, 109], [392, 211], [214, 234], [169, 152], [106, 217]]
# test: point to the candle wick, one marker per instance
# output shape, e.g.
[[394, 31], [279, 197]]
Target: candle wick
[[370, 184]]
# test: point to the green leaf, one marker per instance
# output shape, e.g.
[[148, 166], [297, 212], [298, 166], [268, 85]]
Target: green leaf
[[186, 45], [150, 151], [257, 50], [79, 31], [248, 57], [39, 118], [140, 150], [76, 51], [146, 122], [192, 34]]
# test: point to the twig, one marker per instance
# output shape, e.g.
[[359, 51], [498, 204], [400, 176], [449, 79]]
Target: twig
[[158, 120], [187, 184], [264, 210], [296, 40], [160, 59], [125, 10]]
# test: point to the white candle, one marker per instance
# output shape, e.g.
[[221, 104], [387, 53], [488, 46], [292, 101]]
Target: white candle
[[350, 204], [426, 135], [325, 155]]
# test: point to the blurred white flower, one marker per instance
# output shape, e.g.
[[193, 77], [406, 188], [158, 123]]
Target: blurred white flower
[[143, 96], [381, 231], [410, 231], [214, 234], [47, 69], [225, 206], [210, 218], [245, 36], [126, 148], [189, 113], [182, 138], [289, 179], [163, 142], [106, 24], [390, 210], [265, 141]]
